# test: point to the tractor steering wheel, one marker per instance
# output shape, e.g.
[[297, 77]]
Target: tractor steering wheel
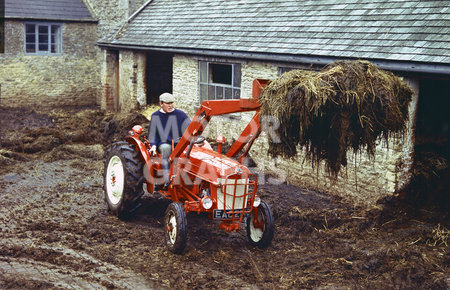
[[200, 140]]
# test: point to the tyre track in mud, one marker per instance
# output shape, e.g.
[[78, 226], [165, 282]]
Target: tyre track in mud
[[67, 269], [37, 215], [56, 233]]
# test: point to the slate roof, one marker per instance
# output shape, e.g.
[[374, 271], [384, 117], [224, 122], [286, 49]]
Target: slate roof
[[73, 10], [399, 30]]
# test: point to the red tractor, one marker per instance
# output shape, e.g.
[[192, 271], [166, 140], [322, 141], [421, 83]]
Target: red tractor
[[201, 180]]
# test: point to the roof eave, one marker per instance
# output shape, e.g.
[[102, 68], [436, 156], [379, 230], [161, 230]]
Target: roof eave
[[50, 19], [392, 65]]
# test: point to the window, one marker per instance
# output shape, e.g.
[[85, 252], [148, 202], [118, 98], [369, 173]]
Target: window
[[42, 38], [219, 81]]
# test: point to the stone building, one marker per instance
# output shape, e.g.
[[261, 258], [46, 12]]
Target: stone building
[[50, 55], [214, 49]]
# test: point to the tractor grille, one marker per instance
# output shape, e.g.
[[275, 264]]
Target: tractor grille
[[234, 194]]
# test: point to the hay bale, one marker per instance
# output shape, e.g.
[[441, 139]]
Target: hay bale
[[347, 105]]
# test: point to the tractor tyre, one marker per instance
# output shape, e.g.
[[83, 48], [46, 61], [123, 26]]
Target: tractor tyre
[[123, 178], [261, 236], [175, 223]]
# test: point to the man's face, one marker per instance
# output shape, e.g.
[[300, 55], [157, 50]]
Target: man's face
[[167, 107]]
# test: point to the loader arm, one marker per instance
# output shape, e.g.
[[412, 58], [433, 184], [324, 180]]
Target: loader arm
[[221, 107], [203, 116]]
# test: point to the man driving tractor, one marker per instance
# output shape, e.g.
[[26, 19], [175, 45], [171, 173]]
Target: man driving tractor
[[166, 125]]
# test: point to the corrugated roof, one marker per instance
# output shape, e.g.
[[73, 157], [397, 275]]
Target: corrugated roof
[[74, 10], [397, 30]]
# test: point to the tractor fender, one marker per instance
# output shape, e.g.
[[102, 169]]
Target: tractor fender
[[145, 155]]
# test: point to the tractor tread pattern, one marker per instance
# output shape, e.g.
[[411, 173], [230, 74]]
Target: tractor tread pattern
[[133, 166]]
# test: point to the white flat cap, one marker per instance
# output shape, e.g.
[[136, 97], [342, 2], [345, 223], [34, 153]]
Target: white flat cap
[[166, 98]]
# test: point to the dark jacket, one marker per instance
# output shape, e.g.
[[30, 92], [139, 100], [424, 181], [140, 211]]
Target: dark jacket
[[165, 127]]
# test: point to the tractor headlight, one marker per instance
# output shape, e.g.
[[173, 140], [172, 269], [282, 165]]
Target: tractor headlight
[[257, 201], [207, 202]]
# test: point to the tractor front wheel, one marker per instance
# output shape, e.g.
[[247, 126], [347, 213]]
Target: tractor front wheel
[[260, 226], [123, 179], [175, 223]]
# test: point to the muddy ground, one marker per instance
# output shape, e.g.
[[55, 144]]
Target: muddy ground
[[56, 232]]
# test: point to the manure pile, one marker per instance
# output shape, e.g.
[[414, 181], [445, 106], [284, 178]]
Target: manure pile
[[347, 105], [61, 133]]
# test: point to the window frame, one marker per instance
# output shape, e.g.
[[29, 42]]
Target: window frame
[[206, 85], [37, 43]]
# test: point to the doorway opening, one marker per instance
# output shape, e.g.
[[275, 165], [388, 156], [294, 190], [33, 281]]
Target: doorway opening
[[158, 75], [430, 171]]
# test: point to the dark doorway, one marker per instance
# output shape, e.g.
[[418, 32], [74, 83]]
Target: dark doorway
[[430, 179], [433, 118], [158, 76]]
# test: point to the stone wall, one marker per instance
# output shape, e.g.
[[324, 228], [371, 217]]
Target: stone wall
[[186, 92], [122, 80], [82, 74], [108, 76], [71, 78], [362, 182], [112, 14], [139, 78], [185, 83], [131, 64]]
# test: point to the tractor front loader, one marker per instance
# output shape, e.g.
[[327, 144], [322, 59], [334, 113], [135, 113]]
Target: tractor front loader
[[201, 180]]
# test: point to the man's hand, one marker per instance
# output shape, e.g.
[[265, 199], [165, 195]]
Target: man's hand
[[153, 150]]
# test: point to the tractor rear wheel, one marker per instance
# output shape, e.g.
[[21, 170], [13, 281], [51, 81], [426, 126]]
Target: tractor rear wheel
[[123, 179], [175, 223], [260, 227]]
